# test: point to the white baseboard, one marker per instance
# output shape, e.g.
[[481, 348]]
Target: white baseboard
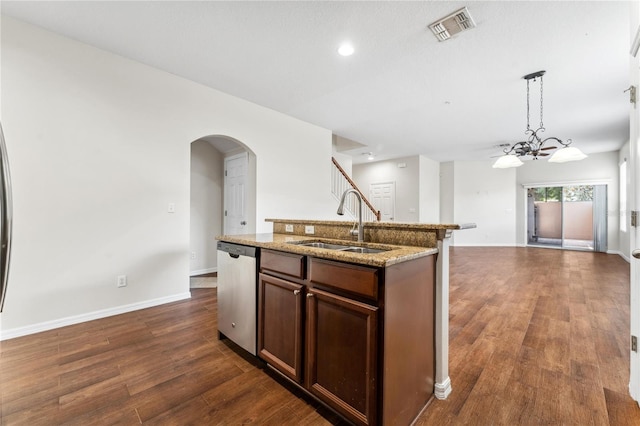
[[203, 271], [90, 316], [619, 253]]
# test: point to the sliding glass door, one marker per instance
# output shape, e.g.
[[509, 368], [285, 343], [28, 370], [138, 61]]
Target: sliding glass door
[[569, 216]]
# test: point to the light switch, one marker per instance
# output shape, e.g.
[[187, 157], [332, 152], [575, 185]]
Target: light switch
[[171, 208]]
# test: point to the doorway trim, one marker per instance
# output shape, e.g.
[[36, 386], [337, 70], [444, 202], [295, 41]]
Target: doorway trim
[[527, 186], [244, 157]]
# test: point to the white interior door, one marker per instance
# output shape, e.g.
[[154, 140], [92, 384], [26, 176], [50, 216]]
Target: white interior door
[[235, 194], [634, 192], [383, 198]]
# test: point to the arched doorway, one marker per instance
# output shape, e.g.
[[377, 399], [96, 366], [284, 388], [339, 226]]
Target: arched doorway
[[210, 198]]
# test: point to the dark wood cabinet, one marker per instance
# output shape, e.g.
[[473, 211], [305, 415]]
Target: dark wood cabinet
[[341, 361], [363, 343], [280, 325]]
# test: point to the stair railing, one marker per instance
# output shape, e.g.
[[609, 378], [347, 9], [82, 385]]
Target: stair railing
[[340, 182]]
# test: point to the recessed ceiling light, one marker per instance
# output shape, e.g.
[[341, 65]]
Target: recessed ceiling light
[[346, 49]]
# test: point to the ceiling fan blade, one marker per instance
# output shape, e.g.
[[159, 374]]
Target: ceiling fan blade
[[548, 147], [543, 154]]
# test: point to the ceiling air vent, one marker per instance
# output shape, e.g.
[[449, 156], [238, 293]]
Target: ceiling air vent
[[458, 21]]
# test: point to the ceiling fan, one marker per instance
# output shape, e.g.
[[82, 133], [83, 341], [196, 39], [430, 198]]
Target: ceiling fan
[[531, 148]]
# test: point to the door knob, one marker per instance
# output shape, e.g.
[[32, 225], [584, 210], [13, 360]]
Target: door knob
[[636, 253], [244, 222]]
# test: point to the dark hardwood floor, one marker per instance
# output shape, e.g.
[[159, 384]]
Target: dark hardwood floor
[[537, 336]]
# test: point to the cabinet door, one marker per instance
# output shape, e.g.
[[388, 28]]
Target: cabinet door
[[280, 325], [342, 354]]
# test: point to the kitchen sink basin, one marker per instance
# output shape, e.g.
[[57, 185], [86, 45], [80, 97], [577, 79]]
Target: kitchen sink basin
[[363, 250], [324, 245], [340, 247]]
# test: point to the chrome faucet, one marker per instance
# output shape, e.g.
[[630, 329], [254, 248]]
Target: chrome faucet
[[360, 231]]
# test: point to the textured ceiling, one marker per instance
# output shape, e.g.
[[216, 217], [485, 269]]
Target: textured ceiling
[[402, 92]]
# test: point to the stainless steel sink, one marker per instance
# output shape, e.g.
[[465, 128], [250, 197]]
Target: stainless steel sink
[[339, 247], [327, 246], [363, 250]]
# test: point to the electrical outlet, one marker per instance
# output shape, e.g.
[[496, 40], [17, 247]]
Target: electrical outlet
[[634, 343], [309, 229], [288, 228], [121, 281], [193, 255]]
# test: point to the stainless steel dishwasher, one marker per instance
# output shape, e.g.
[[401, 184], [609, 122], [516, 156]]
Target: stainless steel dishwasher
[[237, 317]]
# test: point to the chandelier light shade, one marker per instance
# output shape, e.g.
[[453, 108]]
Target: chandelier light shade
[[568, 153], [507, 161], [535, 146]]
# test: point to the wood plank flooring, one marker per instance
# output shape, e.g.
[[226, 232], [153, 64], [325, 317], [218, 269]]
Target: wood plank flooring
[[537, 336]]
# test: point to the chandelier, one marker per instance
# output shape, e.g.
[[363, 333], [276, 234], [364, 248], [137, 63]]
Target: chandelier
[[535, 146]]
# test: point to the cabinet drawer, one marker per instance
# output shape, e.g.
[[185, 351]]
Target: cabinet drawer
[[352, 278], [283, 263]]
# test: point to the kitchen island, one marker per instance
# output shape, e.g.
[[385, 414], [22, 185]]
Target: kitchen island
[[360, 326]]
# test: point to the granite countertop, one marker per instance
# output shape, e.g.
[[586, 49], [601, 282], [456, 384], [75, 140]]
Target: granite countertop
[[394, 254]]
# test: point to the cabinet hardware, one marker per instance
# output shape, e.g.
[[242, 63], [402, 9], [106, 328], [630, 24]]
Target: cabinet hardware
[[296, 292], [634, 218], [309, 295]]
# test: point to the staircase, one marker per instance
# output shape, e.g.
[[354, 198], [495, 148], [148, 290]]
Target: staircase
[[341, 182]]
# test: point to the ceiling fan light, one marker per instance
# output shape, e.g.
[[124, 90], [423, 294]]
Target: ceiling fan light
[[566, 154], [507, 161]]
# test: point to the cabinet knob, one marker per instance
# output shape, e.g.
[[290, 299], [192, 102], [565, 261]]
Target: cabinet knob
[[233, 324], [296, 292], [309, 295]]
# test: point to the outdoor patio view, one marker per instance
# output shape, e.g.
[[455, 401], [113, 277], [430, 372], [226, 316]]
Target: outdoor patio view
[[561, 216]]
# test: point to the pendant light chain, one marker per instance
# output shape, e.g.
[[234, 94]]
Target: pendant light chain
[[528, 105], [541, 124]]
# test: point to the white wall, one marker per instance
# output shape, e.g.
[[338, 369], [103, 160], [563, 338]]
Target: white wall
[[600, 168], [207, 184], [485, 196], [99, 145], [429, 190], [495, 199], [417, 186], [446, 192]]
